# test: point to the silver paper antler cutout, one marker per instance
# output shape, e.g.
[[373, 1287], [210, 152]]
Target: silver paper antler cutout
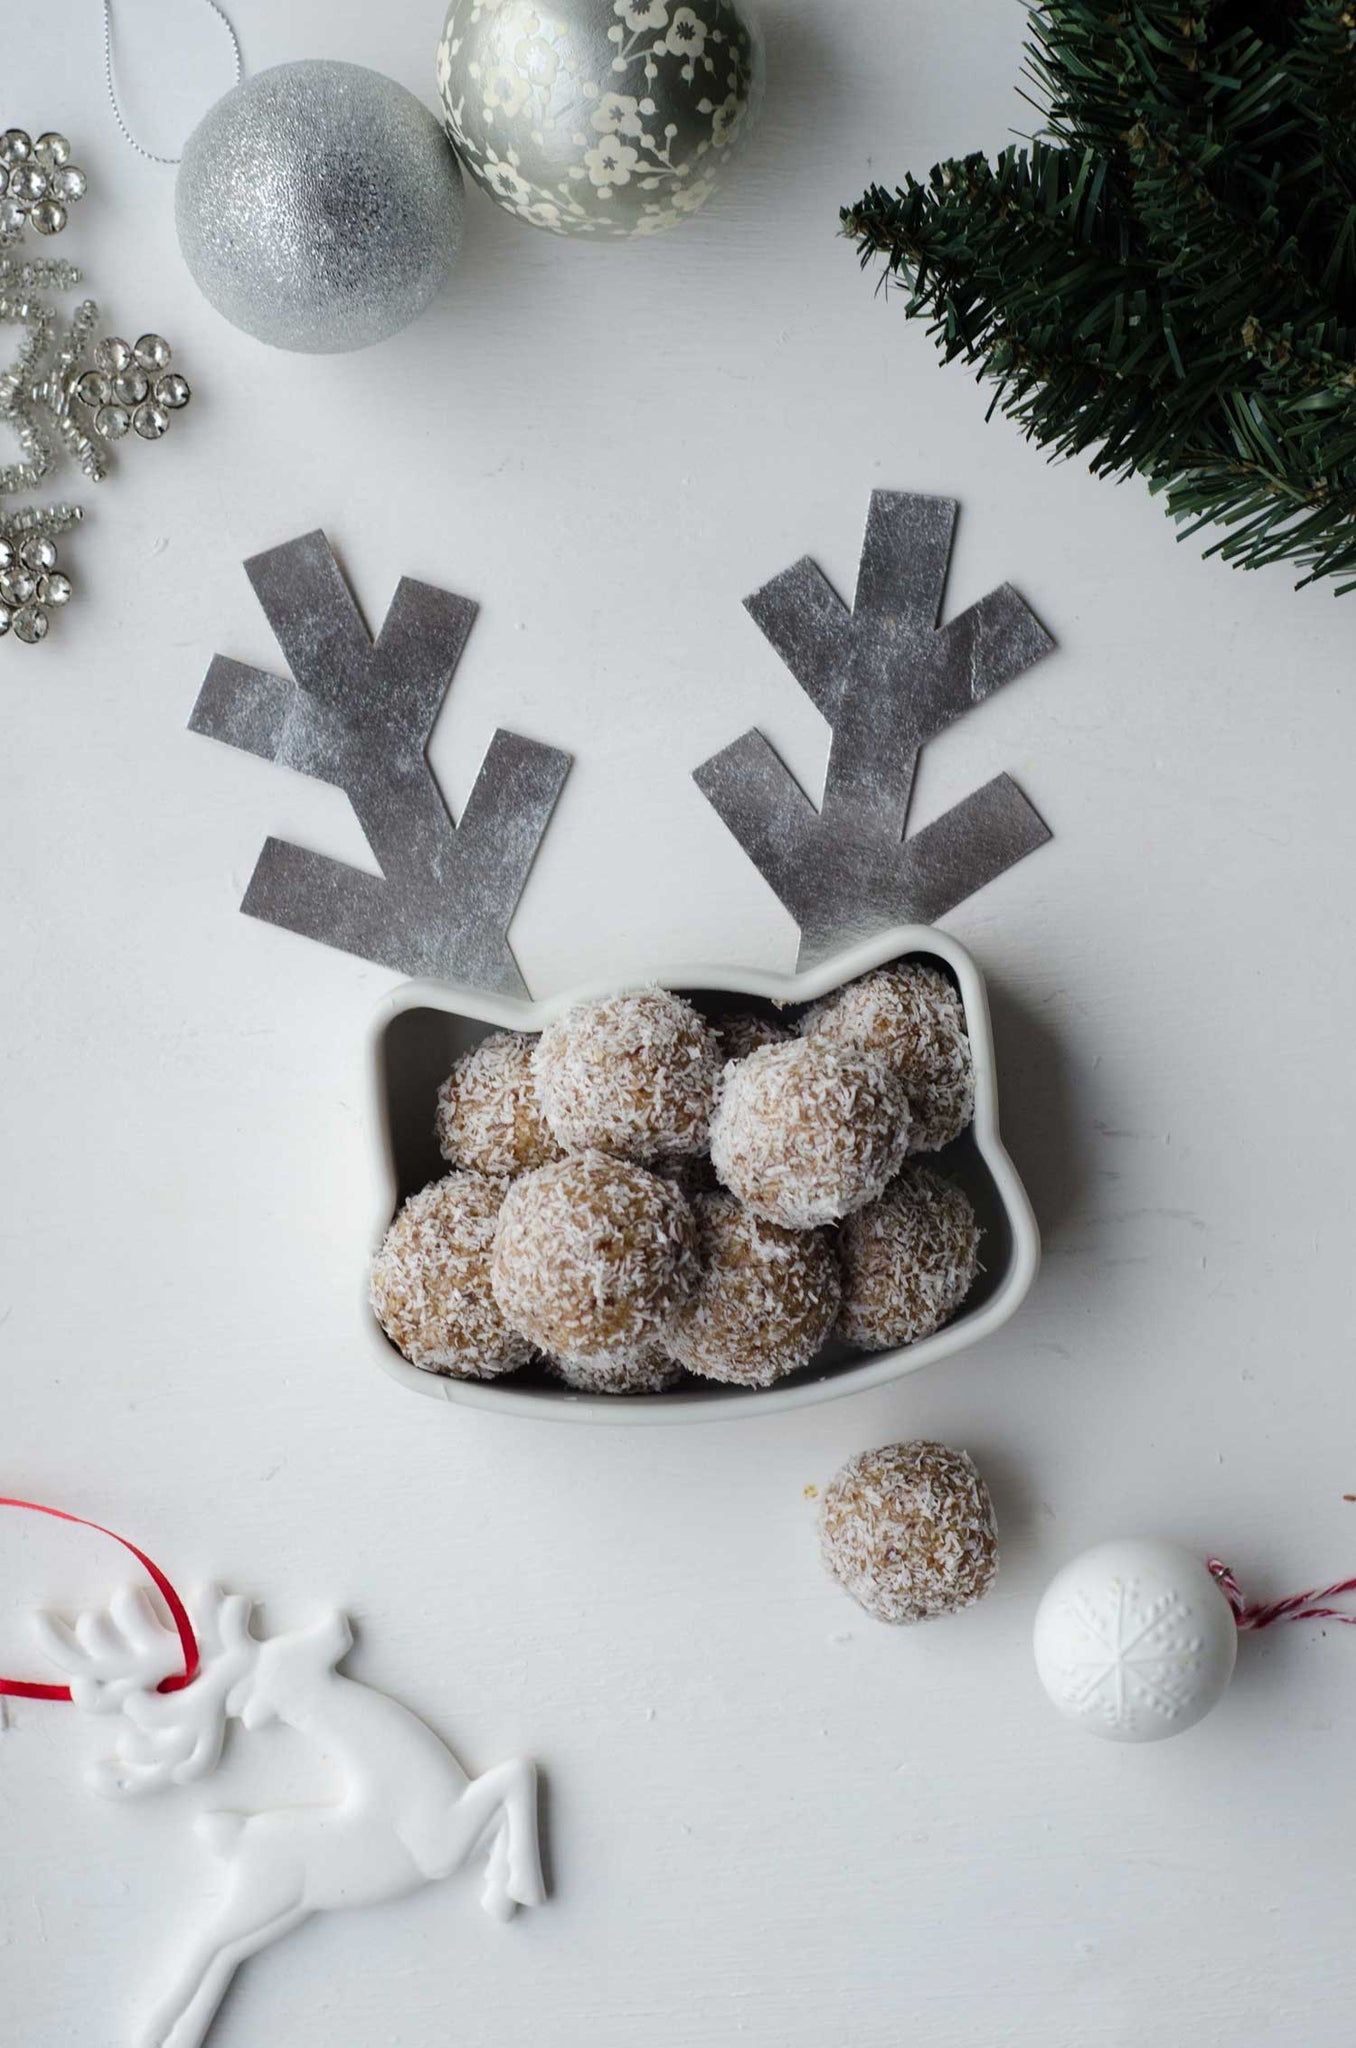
[[888, 677], [358, 714]]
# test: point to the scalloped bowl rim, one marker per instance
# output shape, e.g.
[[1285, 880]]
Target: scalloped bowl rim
[[719, 1404]]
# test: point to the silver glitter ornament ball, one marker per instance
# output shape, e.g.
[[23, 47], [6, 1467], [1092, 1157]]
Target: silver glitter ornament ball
[[599, 117], [319, 207]]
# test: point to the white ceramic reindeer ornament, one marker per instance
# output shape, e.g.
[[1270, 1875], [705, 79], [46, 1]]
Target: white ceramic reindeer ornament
[[409, 1813]]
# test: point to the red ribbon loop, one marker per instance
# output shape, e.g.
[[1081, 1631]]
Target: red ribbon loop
[[24, 1689]]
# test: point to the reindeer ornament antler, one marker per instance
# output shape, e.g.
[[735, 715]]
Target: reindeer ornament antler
[[888, 677], [408, 1814], [359, 713]]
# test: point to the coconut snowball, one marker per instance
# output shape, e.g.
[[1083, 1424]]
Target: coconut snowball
[[645, 1371], [912, 1017], [593, 1254], [766, 1300], [430, 1287], [908, 1261], [806, 1133], [489, 1118], [634, 1075], [744, 1031], [909, 1531]]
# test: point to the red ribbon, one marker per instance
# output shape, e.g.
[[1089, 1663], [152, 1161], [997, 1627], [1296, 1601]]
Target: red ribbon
[[24, 1689], [1297, 1607]]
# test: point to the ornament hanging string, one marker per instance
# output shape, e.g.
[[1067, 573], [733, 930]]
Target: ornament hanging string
[[1297, 1607], [113, 100], [23, 1689]]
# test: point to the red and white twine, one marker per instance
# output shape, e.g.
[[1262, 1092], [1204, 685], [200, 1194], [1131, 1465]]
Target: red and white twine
[[1298, 1607]]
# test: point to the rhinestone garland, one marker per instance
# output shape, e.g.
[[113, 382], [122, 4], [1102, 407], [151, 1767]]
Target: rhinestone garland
[[38, 183], [64, 392], [32, 583], [132, 388]]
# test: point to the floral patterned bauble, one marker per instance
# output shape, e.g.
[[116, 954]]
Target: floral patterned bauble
[[598, 117]]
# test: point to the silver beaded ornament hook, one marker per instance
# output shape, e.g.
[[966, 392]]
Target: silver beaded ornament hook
[[113, 100]]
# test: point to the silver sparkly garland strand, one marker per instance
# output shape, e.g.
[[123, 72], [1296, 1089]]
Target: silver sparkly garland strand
[[116, 104], [55, 391]]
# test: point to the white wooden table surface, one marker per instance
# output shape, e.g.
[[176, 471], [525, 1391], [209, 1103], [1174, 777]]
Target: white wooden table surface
[[773, 1821]]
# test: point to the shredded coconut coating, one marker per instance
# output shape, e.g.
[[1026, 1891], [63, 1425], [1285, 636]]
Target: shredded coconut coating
[[593, 1254], [489, 1118], [766, 1300], [744, 1031], [908, 1261], [909, 1531], [430, 1288], [806, 1133], [646, 1371], [911, 1017], [634, 1075]]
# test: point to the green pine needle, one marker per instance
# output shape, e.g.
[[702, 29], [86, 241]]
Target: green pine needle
[[1165, 279]]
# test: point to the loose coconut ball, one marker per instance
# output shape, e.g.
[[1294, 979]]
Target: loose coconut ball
[[806, 1133], [634, 1075], [909, 1531], [430, 1288], [593, 1254], [645, 1371], [912, 1017], [908, 1261], [489, 1118], [744, 1031], [766, 1300]]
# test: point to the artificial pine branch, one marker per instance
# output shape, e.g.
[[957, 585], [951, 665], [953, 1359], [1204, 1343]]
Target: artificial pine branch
[[1165, 279]]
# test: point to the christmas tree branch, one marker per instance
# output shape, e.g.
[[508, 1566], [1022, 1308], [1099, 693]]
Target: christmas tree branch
[[1165, 280]]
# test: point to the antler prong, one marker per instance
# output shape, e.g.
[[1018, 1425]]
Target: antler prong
[[57, 1642], [141, 1627]]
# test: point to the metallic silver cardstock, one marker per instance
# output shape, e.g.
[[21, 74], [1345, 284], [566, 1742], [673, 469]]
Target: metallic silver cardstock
[[358, 713], [888, 677]]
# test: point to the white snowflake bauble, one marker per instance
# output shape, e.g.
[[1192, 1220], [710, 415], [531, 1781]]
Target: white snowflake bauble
[[598, 117], [1134, 1640]]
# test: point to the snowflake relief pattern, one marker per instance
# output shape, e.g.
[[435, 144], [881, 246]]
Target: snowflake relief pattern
[[1130, 1655], [608, 118]]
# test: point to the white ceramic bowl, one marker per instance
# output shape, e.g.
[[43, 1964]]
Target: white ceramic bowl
[[421, 1028]]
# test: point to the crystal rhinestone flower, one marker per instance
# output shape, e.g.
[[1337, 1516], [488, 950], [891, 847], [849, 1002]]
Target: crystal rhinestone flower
[[31, 585], [131, 388], [38, 183]]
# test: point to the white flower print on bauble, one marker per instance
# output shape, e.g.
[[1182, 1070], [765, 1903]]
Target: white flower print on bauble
[[642, 14], [686, 38], [611, 162], [617, 114]]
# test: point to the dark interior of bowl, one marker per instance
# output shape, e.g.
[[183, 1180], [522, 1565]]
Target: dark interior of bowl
[[417, 1051]]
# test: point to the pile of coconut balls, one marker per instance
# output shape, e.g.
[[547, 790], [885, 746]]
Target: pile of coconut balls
[[639, 1193]]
